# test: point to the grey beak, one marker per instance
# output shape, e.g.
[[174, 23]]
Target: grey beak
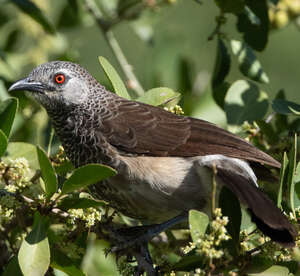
[[29, 85]]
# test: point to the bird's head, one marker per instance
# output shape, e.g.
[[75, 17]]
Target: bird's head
[[57, 83]]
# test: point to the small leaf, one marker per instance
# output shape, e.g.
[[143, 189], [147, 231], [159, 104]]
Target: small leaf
[[254, 24], [291, 174], [222, 65], [80, 203], [285, 107], [62, 262], [249, 65], [231, 6], [28, 151], [198, 223], [114, 78], [48, 173], [3, 142], [158, 96], [274, 270], [8, 110], [87, 175], [34, 253], [34, 12], [13, 268], [283, 173], [244, 101]]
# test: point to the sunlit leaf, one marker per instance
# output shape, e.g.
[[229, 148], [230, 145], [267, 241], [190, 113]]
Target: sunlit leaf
[[244, 101], [274, 270], [87, 175], [283, 173], [248, 63], [114, 78], [48, 173], [80, 203], [198, 222], [8, 110], [159, 96], [291, 173], [3, 143], [34, 253]]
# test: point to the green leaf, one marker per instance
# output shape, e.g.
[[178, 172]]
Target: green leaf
[[285, 107], [28, 151], [35, 13], [114, 78], [231, 6], [64, 167], [3, 142], [274, 270], [230, 206], [80, 203], [198, 223], [283, 173], [291, 174], [48, 173], [222, 64], [159, 96], [8, 110], [34, 253], [268, 131], [87, 175], [254, 24], [249, 65], [244, 101], [13, 268], [63, 263]]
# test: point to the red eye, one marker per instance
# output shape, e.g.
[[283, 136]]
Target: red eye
[[59, 78]]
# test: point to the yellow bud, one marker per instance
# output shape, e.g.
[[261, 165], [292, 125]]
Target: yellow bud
[[293, 7], [281, 19]]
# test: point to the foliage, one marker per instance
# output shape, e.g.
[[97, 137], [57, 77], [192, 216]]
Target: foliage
[[48, 221]]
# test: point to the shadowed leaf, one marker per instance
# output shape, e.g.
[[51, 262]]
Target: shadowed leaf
[[198, 223], [8, 110]]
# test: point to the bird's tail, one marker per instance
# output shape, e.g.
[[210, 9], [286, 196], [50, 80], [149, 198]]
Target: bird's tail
[[267, 216]]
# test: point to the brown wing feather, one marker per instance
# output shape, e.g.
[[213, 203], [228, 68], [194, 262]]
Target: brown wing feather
[[137, 128]]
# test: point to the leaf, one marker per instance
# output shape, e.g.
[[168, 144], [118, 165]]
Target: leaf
[[244, 101], [231, 208], [188, 263], [268, 131], [249, 65], [34, 253], [8, 110], [63, 263], [64, 167], [158, 96], [28, 151], [291, 173], [198, 222], [3, 142], [283, 173], [222, 65], [285, 107], [254, 24], [231, 6], [114, 78], [35, 13], [79, 203], [48, 173], [13, 268], [274, 270], [87, 175]]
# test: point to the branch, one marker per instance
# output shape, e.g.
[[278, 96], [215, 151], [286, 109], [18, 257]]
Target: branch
[[105, 27]]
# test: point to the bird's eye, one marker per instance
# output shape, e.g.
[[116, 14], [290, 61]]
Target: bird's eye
[[59, 78]]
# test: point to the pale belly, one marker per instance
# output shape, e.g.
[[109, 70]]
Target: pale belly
[[155, 189]]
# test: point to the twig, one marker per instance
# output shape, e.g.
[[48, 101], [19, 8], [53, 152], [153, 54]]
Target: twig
[[214, 190], [105, 27]]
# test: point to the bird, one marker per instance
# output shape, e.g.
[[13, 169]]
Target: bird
[[164, 161]]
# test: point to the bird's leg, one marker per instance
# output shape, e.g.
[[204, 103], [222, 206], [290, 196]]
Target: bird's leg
[[132, 236]]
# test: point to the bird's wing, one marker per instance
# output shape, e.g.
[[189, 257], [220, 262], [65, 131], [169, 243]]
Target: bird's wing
[[137, 128]]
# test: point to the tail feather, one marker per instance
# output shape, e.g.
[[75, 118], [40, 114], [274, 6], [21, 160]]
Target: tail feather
[[267, 216]]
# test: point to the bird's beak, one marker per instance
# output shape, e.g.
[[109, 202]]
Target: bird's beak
[[29, 85]]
